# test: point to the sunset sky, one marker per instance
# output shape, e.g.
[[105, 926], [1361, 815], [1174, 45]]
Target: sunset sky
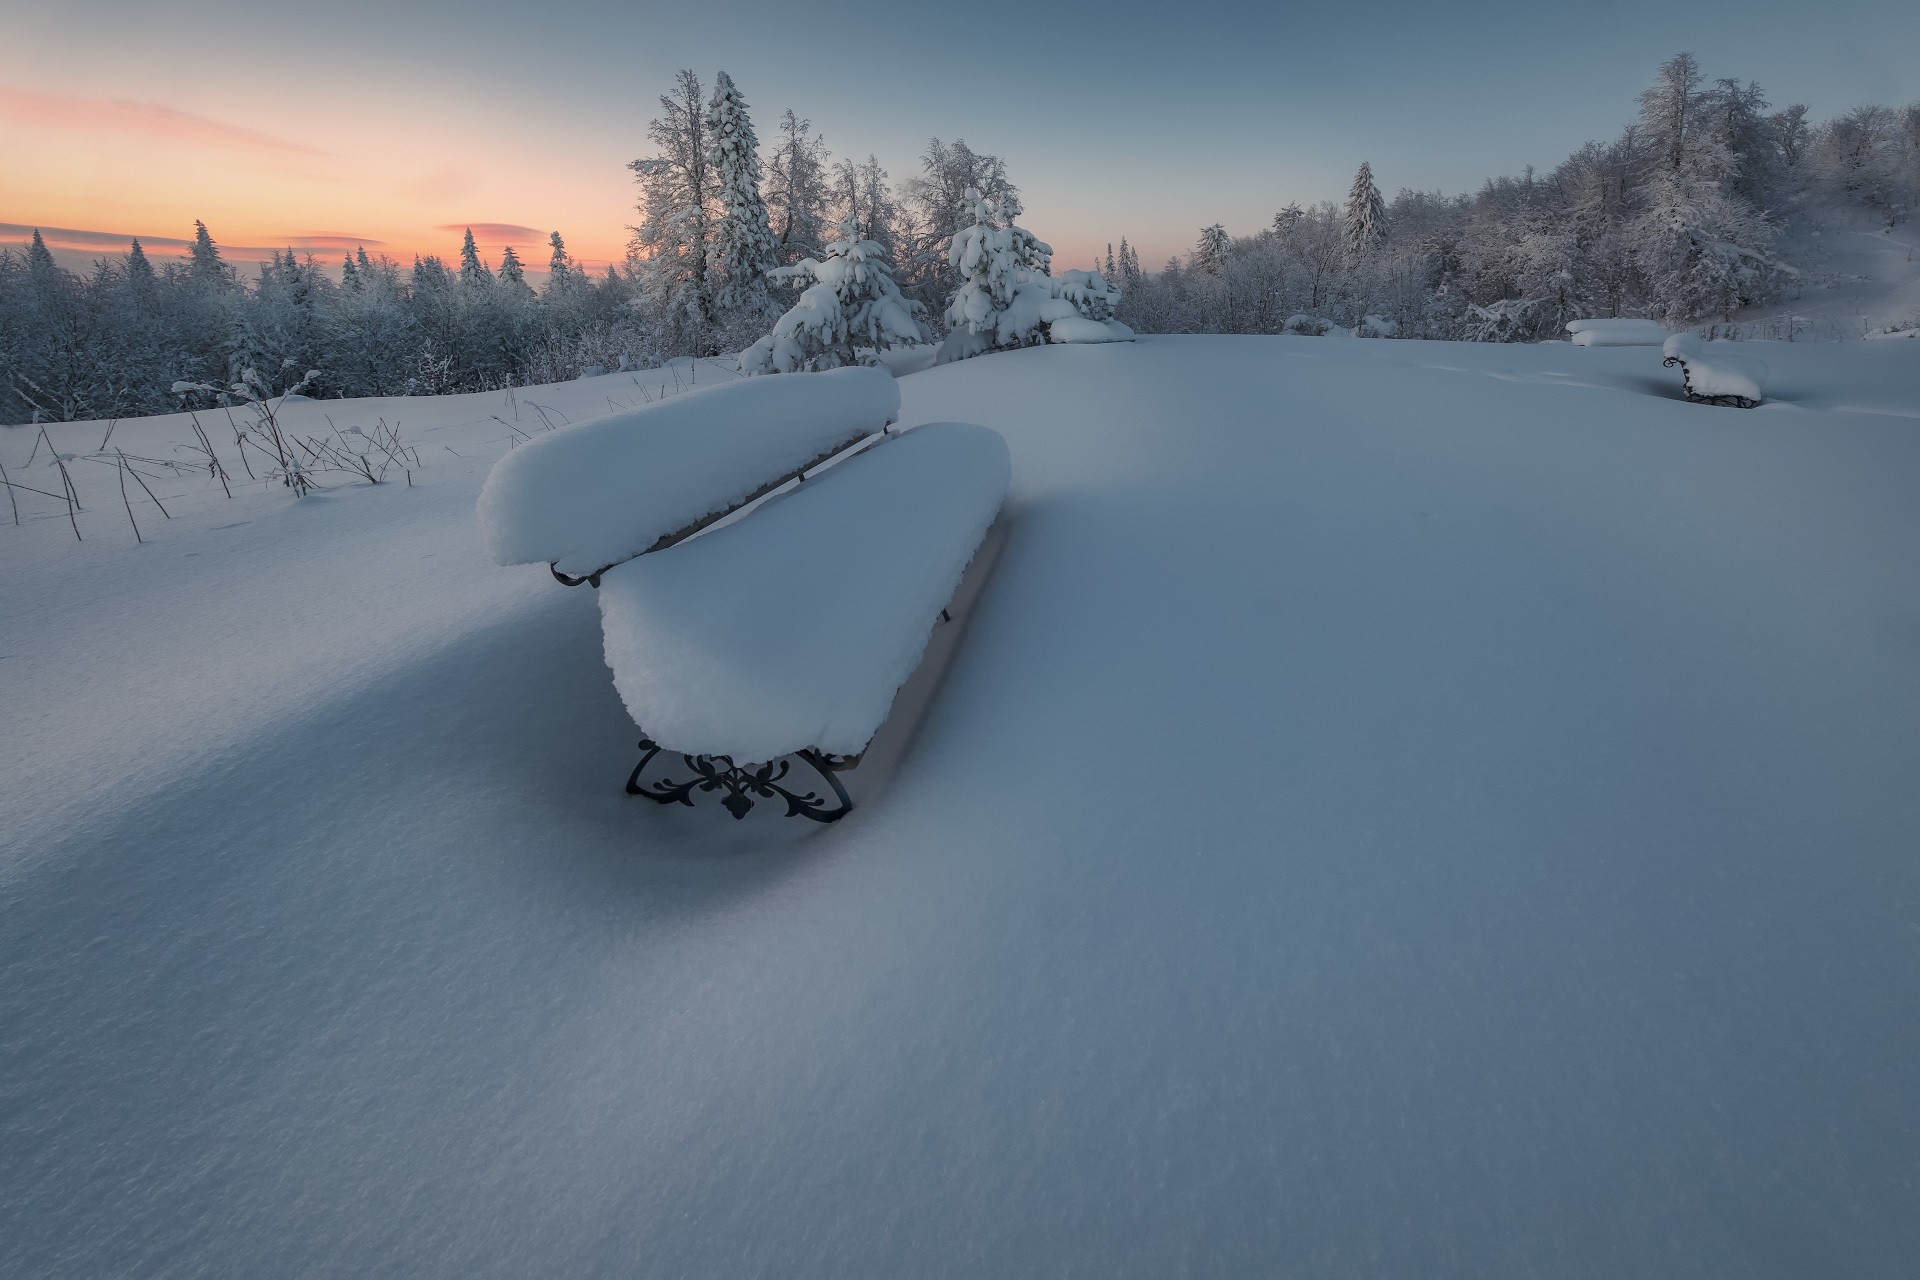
[[396, 126]]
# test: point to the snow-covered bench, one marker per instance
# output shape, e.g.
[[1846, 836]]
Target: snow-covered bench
[[1611, 332], [769, 650], [1713, 376]]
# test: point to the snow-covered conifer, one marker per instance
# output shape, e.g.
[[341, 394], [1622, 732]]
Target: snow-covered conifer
[[1366, 214], [849, 311], [1003, 285], [743, 244], [473, 272]]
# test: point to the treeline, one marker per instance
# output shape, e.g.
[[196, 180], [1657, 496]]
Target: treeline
[[715, 223], [1675, 220]]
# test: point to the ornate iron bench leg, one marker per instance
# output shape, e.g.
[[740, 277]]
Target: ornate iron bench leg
[[742, 784]]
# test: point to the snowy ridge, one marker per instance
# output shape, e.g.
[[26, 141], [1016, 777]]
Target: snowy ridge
[[593, 494], [795, 627]]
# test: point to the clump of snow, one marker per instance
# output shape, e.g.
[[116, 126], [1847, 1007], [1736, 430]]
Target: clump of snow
[[1711, 371], [1068, 329], [795, 627], [1617, 332], [1376, 327], [595, 493], [1302, 323]]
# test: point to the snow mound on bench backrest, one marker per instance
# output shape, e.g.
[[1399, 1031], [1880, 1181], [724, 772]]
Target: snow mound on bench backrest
[[595, 493], [1616, 333], [1712, 371], [795, 627]]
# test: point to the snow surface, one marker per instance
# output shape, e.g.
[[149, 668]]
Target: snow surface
[[1713, 369], [1611, 332], [591, 494], [1398, 809], [795, 626]]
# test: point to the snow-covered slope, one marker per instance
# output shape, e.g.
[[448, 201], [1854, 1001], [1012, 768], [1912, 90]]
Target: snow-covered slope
[[1398, 809], [1857, 277]]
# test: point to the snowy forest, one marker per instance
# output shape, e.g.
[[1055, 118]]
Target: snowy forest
[[1676, 220]]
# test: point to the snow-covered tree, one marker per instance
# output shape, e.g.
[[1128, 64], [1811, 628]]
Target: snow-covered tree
[[937, 204], [1366, 214], [797, 189], [670, 254], [849, 310], [743, 243], [1210, 253], [1003, 284], [474, 275]]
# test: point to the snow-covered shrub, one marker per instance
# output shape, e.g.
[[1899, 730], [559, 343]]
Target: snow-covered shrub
[[849, 312], [1312, 326]]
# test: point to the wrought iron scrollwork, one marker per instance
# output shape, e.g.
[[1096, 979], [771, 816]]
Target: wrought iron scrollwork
[[743, 784]]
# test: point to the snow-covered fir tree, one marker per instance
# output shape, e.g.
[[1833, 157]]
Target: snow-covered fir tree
[[1003, 284], [849, 310], [743, 243], [1210, 254], [1366, 214]]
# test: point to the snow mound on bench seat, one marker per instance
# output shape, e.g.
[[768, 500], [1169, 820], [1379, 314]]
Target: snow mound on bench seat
[[598, 492], [1714, 372], [1616, 333], [795, 627]]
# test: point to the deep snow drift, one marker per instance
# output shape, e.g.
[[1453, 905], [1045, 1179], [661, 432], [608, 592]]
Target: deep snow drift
[[1397, 809]]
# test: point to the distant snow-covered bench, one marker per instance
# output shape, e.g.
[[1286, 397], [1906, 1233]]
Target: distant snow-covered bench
[[772, 647], [1609, 332], [1711, 375]]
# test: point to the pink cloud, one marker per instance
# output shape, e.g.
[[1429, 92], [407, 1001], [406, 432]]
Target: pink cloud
[[154, 119], [495, 231]]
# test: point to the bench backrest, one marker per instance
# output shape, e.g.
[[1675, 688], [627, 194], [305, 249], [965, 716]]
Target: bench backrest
[[596, 493]]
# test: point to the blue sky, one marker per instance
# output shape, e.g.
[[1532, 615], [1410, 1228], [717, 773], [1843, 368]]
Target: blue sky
[[387, 122]]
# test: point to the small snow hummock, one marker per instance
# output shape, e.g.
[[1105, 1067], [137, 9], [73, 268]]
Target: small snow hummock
[[1712, 373], [795, 627], [593, 494], [1607, 332]]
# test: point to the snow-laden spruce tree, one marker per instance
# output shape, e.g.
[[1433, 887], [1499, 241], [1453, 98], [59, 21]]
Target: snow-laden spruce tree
[[1366, 214], [1003, 285], [850, 311], [743, 244]]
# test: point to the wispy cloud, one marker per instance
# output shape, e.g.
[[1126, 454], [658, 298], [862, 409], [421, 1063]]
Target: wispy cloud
[[495, 231], [116, 241], [151, 119]]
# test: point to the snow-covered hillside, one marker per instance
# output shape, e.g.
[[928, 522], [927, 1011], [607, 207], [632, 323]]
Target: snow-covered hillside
[[1857, 276], [1399, 808]]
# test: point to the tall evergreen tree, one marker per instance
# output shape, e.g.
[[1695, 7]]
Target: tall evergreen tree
[[1366, 214], [743, 243]]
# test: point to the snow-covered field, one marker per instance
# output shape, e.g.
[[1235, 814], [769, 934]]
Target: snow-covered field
[[1398, 809]]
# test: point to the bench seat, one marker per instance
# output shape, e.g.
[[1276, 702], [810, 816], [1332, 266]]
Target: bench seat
[[791, 630]]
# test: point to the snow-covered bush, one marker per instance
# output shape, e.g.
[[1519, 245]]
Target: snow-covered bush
[[849, 312]]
